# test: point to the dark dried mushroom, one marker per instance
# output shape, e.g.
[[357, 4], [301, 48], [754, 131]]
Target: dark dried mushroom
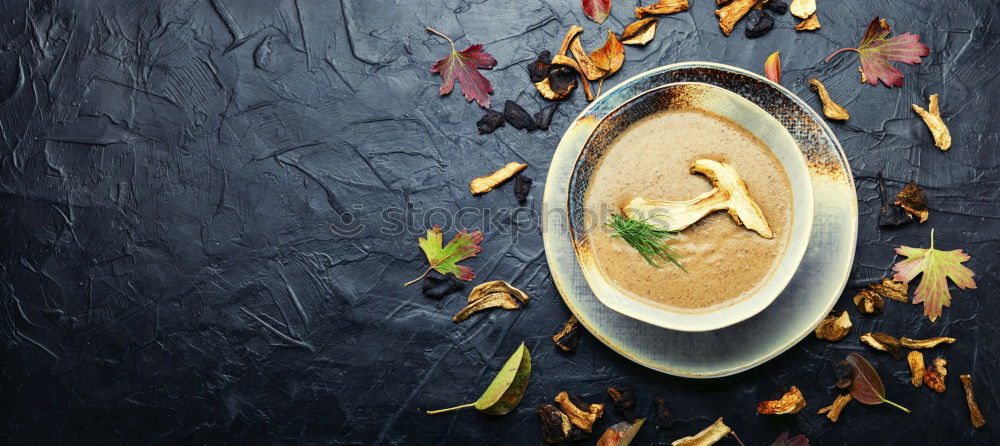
[[868, 302], [935, 374], [890, 214], [913, 200], [555, 424], [517, 116], [777, 6], [661, 418], [883, 342], [580, 414], [758, 23], [891, 289], [559, 84], [624, 400], [835, 327], [843, 372], [522, 185], [544, 116], [789, 403], [568, 337], [539, 68], [437, 285], [491, 121]]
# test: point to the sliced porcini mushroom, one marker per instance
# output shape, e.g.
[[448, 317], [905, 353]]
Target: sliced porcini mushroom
[[730, 194], [569, 62], [916, 361], [970, 399], [831, 109], [932, 117], [708, 436], [926, 343], [802, 8], [580, 414], [586, 64], [833, 410], [835, 327]]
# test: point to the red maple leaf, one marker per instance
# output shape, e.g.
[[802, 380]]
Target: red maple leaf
[[876, 52], [597, 10], [464, 65]]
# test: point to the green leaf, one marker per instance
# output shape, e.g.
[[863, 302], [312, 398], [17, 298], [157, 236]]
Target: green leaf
[[936, 266], [445, 260], [507, 388], [621, 434]]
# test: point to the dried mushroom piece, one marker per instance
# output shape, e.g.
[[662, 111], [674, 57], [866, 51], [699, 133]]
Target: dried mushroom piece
[[758, 24], [522, 186], [913, 200], [935, 374], [730, 14], [970, 399], [662, 7], [890, 215], [916, 361], [844, 374], [926, 343], [890, 288], [587, 66], [539, 68], [568, 337], [883, 342], [835, 327], [868, 302], [560, 83], [517, 116], [485, 184], [708, 436], [789, 403], [729, 193], [544, 116], [802, 8], [582, 415], [640, 32], [831, 109], [833, 410], [556, 426], [624, 400], [491, 121], [491, 295], [569, 62], [809, 24], [777, 6], [932, 117]]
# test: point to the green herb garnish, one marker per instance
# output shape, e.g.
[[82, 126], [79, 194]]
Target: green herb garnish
[[648, 239]]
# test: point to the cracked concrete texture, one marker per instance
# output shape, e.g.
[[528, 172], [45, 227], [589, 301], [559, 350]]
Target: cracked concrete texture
[[170, 173]]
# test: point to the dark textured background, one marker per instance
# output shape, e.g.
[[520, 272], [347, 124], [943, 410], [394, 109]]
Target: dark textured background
[[170, 171]]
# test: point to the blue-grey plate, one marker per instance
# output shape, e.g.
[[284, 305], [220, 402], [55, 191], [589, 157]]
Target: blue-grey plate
[[805, 301]]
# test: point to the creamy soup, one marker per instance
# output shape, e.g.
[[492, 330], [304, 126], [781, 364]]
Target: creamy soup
[[724, 261]]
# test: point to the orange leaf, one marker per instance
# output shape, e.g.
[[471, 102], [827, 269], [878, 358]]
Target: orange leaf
[[772, 67], [610, 56]]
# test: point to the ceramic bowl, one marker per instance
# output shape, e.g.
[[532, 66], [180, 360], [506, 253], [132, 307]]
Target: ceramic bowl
[[712, 99]]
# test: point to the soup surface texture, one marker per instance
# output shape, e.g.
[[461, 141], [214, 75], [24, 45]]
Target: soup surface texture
[[724, 261]]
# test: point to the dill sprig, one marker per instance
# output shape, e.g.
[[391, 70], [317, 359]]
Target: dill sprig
[[649, 240]]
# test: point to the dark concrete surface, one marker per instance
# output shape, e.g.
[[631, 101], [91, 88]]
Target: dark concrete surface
[[172, 174]]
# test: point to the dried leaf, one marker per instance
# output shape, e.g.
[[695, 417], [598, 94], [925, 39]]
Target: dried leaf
[[640, 32], [507, 388], [970, 399], [584, 64], [833, 410], [935, 374], [662, 7], [464, 65], [831, 109], [809, 24], [785, 440], [444, 260], [802, 8], [932, 117], [937, 267], [834, 327], [708, 436], [891, 289], [597, 10], [916, 361], [485, 184], [492, 294], [877, 52], [913, 200], [621, 434], [789, 403], [772, 67], [866, 386], [609, 58], [730, 14]]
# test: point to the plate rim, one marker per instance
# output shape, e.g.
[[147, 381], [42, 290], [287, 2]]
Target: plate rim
[[841, 156]]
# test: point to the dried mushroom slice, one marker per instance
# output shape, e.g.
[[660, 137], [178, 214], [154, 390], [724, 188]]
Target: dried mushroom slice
[[809, 24], [707, 437], [916, 361], [913, 200], [555, 424], [868, 302], [491, 295], [833, 410], [835, 327], [932, 117], [732, 13], [970, 399], [791, 402], [568, 337], [624, 400], [926, 343], [802, 8], [485, 184], [662, 7], [580, 414], [831, 109], [883, 342], [892, 289]]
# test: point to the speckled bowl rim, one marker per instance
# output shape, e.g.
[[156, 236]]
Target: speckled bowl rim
[[828, 160], [698, 95]]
